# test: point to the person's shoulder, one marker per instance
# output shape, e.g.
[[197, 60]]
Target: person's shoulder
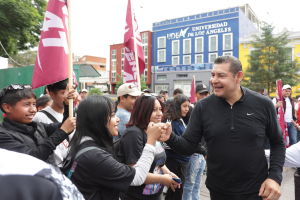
[[40, 117], [122, 112], [132, 133]]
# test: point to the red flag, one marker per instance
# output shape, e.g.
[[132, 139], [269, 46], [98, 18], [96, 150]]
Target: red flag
[[280, 114], [130, 75], [192, 93], [51, 63]]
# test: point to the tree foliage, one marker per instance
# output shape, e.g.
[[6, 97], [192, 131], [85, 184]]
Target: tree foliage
[[21, 22], [270, 60], [95, 91], [24, 59], [143, 82]]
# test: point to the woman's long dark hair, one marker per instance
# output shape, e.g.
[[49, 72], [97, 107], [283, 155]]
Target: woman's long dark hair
[[173, 111], [92, 116]]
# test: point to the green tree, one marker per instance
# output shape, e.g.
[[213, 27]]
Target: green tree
[[95, 91], [24, 59], [143, 82], [270, 60], [20, 24]]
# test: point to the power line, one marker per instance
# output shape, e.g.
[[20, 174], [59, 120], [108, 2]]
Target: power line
[[7, 53]]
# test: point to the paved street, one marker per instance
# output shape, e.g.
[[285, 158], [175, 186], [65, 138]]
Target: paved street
[[287, 186]]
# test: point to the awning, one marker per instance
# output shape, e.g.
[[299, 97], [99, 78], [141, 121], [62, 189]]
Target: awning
[[88, 71]]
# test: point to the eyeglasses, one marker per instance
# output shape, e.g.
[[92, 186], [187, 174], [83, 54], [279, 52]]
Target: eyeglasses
[[17, 87]]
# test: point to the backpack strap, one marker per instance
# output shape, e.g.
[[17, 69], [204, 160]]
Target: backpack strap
[[51, 117], [84, 150]]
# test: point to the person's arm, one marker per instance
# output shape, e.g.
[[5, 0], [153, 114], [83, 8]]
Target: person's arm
[[187, 144], [201, 148], [292, 156], [42, 152]]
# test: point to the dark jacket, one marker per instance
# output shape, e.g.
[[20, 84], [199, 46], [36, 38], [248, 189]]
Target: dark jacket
[[36, 139], [235, 137]]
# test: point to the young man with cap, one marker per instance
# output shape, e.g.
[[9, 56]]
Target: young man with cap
[[83, 93], [164, 93], [201, 91], [289, 112], [127, 94], [234, 122]]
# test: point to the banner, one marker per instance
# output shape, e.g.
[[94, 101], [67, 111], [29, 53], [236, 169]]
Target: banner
[[280, 114], [130, 72], [51, 63], [192, 93]]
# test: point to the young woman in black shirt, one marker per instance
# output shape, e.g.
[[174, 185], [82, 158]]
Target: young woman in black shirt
[[147, 109], [97, 172]]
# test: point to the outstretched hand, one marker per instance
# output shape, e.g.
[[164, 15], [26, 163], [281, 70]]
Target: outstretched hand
[[168, 130]]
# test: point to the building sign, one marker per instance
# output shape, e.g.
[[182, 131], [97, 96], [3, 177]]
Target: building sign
[[192, 67], [201, 30]]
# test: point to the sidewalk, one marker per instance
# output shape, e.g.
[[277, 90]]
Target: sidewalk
[[287, 186]]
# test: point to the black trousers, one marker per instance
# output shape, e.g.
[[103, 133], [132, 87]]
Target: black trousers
[[217, 196], [180, 170]]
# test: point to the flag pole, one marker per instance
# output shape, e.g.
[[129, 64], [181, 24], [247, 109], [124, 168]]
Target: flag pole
[[135, 50], [194, 80], [70, 59]]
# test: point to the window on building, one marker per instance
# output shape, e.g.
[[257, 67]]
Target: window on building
[[198, 58], [102, 66], [122, 64], [227, 41], [162, 77], [144, 38], [161, 55], [213, 43], [175, 60], [227, 53], [175, 47], [186, 46], [199, 45], [145, 73], [186, 60], [114, 54], [159, 87], [181, 75], [145, 49], [113, 65], [123, 53], [161, 42], [113, 76], [146, 62], [212, 57]]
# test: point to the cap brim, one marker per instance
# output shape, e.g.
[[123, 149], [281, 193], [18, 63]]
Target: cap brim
[[136, 93], [201, 91]]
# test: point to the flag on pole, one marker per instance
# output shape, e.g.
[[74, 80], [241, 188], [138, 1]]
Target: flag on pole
[[130, 72], [51, 63], [280, 114], [192, 93]]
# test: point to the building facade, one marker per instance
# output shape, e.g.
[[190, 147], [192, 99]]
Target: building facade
[[117, 56], [187, 46], [294, 45]]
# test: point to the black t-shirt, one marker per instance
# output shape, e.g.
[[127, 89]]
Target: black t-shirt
[[97, 170], [130, 151]]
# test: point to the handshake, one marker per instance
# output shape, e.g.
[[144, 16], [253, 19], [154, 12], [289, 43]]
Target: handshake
[[158, 132]]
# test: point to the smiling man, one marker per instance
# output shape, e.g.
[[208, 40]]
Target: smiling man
[[234, 122]]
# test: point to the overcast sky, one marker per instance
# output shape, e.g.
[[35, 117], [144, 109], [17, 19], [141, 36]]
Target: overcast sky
[[96, 24]]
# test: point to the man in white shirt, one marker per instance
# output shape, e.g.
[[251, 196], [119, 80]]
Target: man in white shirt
[[54, 114], [289, 112]]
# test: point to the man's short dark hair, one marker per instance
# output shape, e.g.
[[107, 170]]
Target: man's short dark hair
[[42, 101], [178, 91], [125, 96], [235, 64], [61, 85], [12, 97]]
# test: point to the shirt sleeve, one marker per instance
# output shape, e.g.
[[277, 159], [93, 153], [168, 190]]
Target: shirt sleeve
[[297, 106], [187, 144], [274, 101], [110, 173], [277, 143], [133, 146], [42, 151]]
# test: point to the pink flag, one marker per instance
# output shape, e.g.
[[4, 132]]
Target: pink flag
[[280, 114], [51, 63], [130, 74], [192, 93]]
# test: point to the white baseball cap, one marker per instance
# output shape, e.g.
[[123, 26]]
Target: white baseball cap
[[128, 88], [84, 90], [286, 87]]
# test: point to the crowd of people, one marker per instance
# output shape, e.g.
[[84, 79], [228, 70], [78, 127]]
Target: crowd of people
[[141, 144]]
